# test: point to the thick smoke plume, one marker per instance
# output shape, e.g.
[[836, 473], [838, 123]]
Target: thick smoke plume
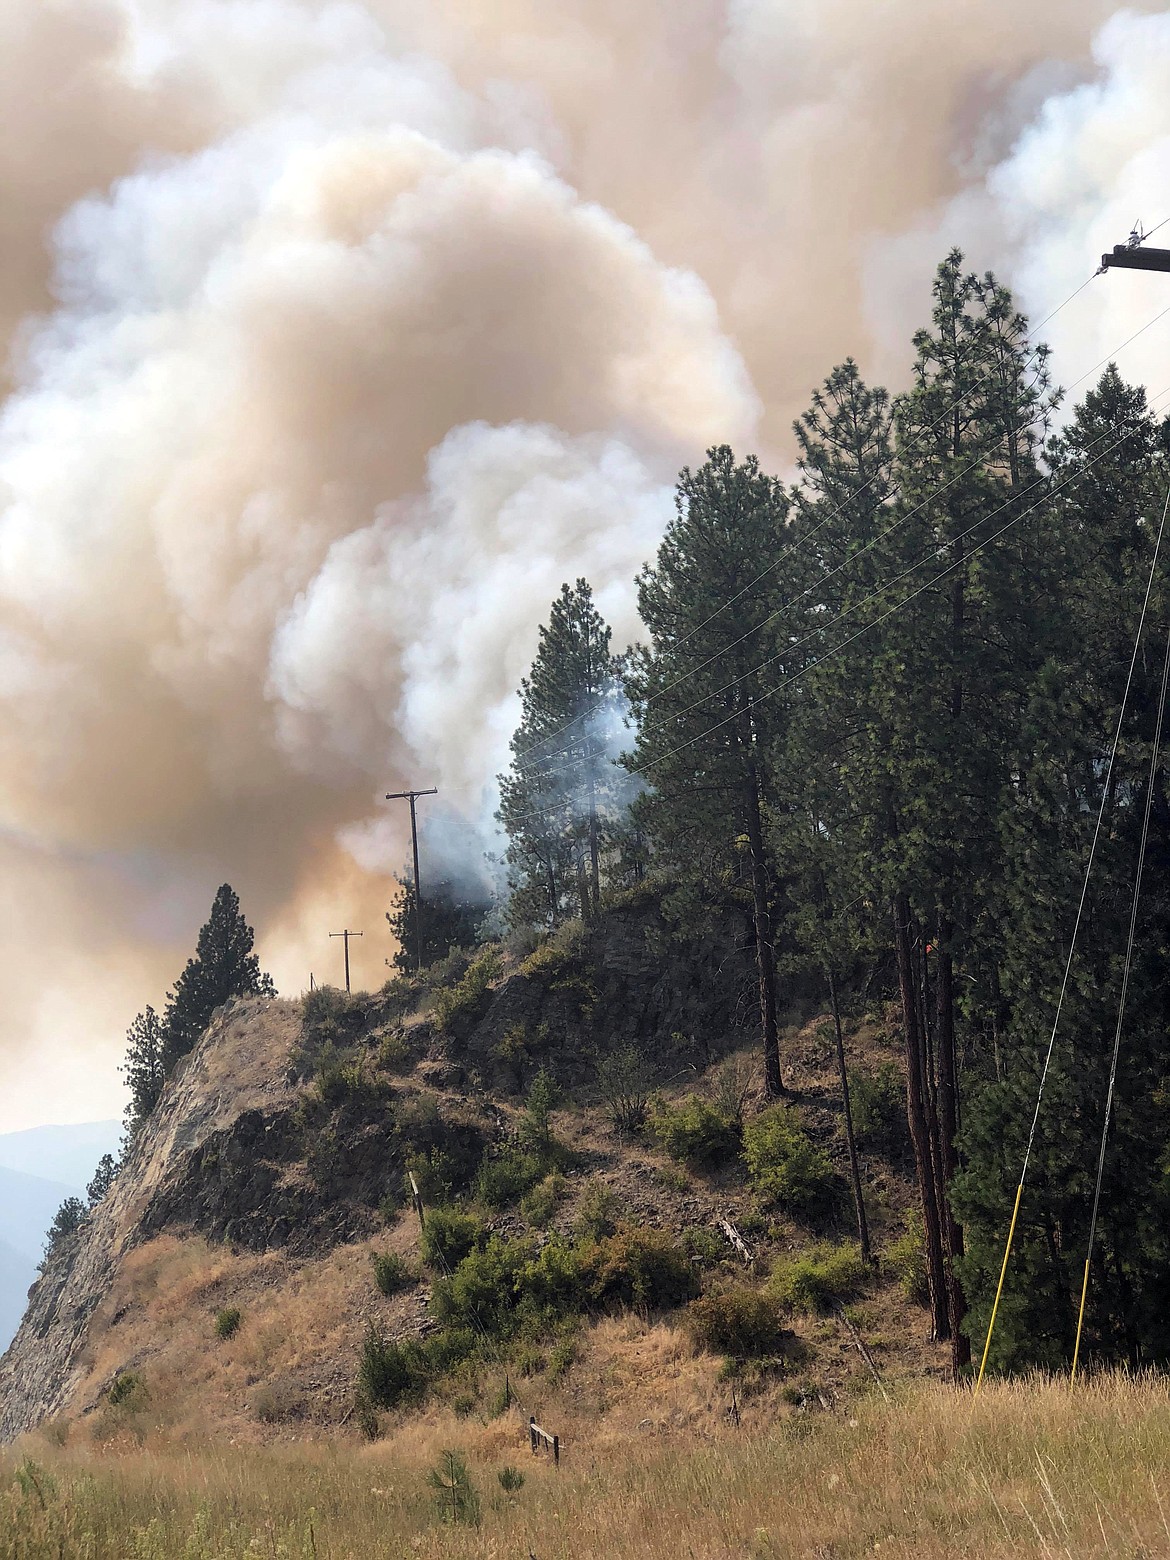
[[339, 334]]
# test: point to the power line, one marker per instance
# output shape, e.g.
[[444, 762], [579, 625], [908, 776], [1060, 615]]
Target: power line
[[551, 759], [642, 769]]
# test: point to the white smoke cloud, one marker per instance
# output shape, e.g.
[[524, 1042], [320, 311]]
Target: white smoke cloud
[[362, 324]]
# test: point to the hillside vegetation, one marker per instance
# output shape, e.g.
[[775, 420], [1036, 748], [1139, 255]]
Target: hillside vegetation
[[263, 1267]]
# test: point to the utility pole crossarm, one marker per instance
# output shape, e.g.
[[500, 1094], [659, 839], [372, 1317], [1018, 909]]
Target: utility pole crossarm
[[1136, 257]]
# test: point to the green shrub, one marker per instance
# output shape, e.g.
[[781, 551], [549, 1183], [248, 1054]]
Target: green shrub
[[695, 1133], [741, 1322], [393, 1373], [704, 1247], [505, 1177], [542, 1202], [511, 1480], [466, 1000], [393, 1052], [389, 1372], [227, 1322], [126, 1390], [623, 1081], [906, 1258], [558, 957], [448, 1236], [463, 1404], [596, 1211], [392, 1272], [818, 1279], [878, 1100], [343, 1076], [484, 1289], [329, 1017], [785, 1165], [642, 1268], [441, 1149]]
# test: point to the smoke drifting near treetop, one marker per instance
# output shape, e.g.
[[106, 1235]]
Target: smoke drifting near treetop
[[341, 333]]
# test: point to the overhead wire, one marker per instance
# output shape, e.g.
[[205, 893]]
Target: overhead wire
[[1051, 492], [549, 760], [1072, 948], [1155, 752], [807, 537]]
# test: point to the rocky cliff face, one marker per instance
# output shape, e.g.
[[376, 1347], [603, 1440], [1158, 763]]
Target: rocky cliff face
[[238, 1071]]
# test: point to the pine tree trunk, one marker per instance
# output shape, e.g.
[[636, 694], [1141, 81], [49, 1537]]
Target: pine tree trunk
[[594, 848], [918, 1120], [762, 920], [948, 1117], [850, 1139]]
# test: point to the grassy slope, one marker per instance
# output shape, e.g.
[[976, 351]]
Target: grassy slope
[[1029, 1469]]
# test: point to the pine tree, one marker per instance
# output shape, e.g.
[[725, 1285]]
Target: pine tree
[[563, 799], [450, 919], [702, 693], [224, 966], [143, 1068], [103, 1179]]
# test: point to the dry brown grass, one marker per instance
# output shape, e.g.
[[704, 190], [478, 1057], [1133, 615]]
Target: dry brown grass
[[1030, 1469]]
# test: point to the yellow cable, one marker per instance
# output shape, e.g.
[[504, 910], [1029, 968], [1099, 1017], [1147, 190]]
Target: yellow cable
[[1072, 1376], [1007, 1251]]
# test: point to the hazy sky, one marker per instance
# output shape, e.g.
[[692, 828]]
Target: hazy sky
[[339, 334]]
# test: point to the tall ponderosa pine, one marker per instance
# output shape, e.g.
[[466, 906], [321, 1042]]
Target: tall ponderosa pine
[[703, 696], [224, 966], [965, 651], [563, 796]]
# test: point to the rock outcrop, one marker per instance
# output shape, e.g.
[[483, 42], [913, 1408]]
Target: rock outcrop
[[238, 1071]]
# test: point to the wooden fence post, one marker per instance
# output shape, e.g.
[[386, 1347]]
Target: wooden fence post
[[416, 1198]]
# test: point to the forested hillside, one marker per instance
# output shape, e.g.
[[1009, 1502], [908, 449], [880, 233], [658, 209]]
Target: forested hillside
[[878, 706]]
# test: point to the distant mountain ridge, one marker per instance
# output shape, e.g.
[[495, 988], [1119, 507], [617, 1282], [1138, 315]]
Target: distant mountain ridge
[[39, 1169], [60, 1153]]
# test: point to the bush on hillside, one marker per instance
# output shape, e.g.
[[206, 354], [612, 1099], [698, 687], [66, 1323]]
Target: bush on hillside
[[391, 1373], [695, 1133], [542, 1202], [392, 1272], [642, 1268], [879, 1109], [785, 1165], [448, 1236], [227, 1322], [739, 1321], [464, 1002], [906, 1258], [504, 1177], [817, 1280], [329, 1017], [624, 1079], [597, 1211]]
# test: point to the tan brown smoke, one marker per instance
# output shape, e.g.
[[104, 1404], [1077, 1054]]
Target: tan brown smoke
[[342, 332]]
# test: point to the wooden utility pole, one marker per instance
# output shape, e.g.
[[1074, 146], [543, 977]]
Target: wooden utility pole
[[347, 934], [411, 797]]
